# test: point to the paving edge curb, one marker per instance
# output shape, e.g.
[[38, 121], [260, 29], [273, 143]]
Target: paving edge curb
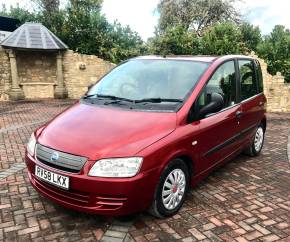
[[12, 170], [118, 232]]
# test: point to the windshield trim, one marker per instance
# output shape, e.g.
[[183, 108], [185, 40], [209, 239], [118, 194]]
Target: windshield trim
[[178, 106], [158, 108]]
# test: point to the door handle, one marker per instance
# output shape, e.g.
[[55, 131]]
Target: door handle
[[261, 103], [239, 114]]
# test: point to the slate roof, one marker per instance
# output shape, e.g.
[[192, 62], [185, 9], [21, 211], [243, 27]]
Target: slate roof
[[33, 36]]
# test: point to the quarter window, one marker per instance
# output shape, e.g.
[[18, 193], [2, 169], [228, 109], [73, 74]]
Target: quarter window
[[223, 82], [260, 76], [248, 79]]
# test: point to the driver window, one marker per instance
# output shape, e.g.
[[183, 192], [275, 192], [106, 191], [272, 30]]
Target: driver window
[[223, 82]]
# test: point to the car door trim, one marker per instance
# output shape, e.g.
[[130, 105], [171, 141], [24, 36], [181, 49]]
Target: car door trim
[[229, 141]]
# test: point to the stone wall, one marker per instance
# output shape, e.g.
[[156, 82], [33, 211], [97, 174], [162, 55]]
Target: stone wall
[[37, 73], [275, 89], [5, 78], [80, 71]]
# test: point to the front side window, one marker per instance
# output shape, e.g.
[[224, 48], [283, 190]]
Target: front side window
[[248, 79], [222, 82], [144, 79]]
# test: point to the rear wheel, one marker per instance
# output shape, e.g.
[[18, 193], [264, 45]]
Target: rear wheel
[[171, 189], [257, 142]]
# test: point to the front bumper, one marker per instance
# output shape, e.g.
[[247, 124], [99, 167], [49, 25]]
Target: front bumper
[[104, 196]]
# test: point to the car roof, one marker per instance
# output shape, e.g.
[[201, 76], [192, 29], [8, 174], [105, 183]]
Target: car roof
[[202, 58]]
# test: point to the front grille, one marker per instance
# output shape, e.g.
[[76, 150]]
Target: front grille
[[65, 161]]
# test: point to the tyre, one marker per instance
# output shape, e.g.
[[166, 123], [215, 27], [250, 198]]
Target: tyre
[[171, 189], [257, 142]]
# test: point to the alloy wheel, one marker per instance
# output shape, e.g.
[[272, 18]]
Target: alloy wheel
[[173, 189], [259, 138]]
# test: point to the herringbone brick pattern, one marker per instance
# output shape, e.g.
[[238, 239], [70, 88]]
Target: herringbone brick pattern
[[246, 200]]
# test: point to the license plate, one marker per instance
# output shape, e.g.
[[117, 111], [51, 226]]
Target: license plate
[[51, 177]]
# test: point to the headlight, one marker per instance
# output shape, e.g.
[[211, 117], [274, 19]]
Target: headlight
[[116, 167], [31, 145]]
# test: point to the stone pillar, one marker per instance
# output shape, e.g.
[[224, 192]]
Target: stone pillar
[[16, 93], [60, 90]]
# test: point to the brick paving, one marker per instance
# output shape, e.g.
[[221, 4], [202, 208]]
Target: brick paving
[[246, 200]]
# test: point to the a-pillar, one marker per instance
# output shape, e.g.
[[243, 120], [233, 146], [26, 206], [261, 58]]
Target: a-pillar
[[60, 90], [16, 93]]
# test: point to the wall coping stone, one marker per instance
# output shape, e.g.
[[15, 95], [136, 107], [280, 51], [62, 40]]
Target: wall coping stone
[[37, 83]]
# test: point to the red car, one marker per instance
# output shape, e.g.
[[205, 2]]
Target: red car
[[148, 131]]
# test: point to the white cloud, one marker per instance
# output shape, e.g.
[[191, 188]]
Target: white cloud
[[138, 14], [267, 13]]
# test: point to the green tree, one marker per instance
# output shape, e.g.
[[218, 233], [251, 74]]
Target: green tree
[[83, 28], [275, 49], [196, 15], [222, 39], [48, 6], [251, 36], [175, 41], [22, 15], [122, 43]]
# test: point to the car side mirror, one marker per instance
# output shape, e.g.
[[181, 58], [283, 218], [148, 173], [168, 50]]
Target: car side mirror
[[216, 104]]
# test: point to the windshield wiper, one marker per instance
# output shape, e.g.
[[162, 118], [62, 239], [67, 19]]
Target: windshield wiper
[[159, 100], [111, 97], [88, 96], [145, 100], [114, 97]]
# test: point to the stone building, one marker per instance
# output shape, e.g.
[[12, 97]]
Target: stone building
[[34, 63]]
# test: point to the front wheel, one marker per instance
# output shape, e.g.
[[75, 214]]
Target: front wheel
[[257, 142], [171, 189]]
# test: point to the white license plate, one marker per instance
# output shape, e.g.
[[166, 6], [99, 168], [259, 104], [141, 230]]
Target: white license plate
[[51, 177]]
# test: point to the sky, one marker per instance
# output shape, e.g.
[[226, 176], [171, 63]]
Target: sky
[[141, 15]]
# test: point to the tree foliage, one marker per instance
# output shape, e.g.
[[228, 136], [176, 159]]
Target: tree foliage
[[83, 28], [222, 39], [275, 49], [213, 27], [195, 15], [175, 41], [48, 6], [251, 36]]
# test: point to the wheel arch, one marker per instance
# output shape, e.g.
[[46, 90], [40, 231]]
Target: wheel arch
[[188, 161], [264, 123]]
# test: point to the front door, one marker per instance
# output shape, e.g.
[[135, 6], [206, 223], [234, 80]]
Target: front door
[[219, 132], [252, 98]]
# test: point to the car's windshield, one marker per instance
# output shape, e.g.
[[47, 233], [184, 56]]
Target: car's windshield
[[155, 80]]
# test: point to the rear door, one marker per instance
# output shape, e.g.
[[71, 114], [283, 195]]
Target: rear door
[[218, 136], [251, 96]]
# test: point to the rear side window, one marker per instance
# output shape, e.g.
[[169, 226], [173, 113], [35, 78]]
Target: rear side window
[[248, 79], [259, 76], [223, 82]]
